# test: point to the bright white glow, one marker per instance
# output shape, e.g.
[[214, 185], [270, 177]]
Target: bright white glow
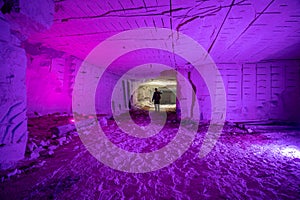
[[292, 152], [87, 80], [161, 82]]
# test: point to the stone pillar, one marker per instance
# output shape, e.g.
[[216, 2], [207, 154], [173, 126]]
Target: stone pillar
[[18, 19], [13, 123], [185, 95]]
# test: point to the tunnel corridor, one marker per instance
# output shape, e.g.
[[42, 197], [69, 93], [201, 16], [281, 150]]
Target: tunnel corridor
[[144, 99]]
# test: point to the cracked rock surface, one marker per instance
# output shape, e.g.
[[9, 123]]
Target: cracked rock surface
[[260, 165]]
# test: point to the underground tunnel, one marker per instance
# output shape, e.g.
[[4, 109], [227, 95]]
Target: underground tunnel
[[148, 99]]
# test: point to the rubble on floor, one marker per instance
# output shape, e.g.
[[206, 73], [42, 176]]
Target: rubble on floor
[[247, 162]]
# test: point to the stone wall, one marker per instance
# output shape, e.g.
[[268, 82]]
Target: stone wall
[[50, 78], [256, 91], [17, 21], [263, 91], [13, 122]]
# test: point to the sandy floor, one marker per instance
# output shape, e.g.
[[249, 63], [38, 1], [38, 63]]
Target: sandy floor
[[241, 166]]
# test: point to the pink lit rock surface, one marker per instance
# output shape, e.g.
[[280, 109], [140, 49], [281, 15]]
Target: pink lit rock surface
[[255, 45], [13, 121], [246, 31], [17, 23], [262, 165]]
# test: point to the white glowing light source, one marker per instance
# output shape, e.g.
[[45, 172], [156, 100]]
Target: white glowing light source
[[292, 152]]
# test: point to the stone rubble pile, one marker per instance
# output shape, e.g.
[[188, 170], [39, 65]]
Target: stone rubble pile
[[237, 128], [59, 136], [42, 141], [47, 133]]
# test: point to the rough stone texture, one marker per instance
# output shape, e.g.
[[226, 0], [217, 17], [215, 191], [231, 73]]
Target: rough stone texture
[[264, 165], [262, 91], [258, 91], [249, 40], [13, 100], [48, 84], [28, 18], [255, 91], [50, 78], [5, 29], [15, 27], [244, 31]]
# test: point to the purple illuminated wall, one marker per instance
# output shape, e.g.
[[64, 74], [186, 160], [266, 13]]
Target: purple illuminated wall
[[49, 82], [13, 121], [255, 91], [17, 23]]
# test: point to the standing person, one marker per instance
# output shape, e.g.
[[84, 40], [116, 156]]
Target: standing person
[[156, 99]]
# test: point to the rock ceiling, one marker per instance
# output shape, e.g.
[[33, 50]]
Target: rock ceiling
[[231, 31]]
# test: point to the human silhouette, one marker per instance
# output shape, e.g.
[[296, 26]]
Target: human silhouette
[[156, 98]]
